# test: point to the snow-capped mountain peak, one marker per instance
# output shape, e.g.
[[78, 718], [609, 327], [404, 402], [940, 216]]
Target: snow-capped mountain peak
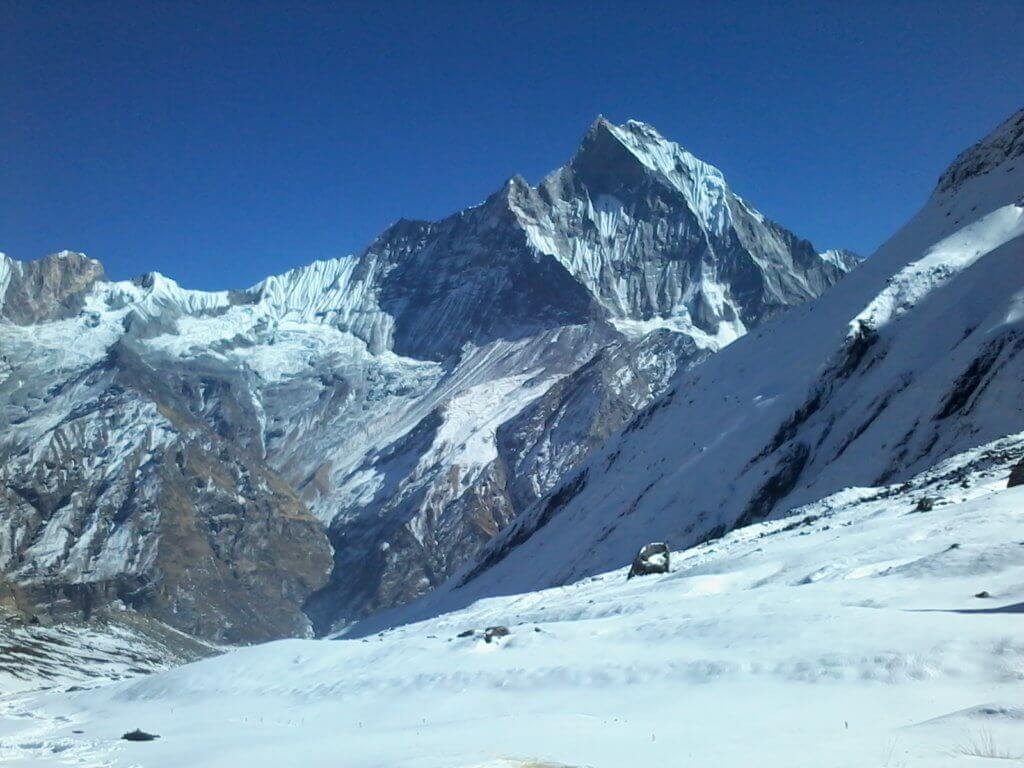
[[913, 358], [608, 151], [842, 258], [414, 398]]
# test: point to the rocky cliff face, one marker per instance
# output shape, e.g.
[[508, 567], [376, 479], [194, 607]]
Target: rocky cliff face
[[199, 455], [111, 490], [51, 288], [998, 151]]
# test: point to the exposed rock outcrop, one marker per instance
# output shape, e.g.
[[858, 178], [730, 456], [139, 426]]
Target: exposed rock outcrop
[[1016, 476], [652, 558]]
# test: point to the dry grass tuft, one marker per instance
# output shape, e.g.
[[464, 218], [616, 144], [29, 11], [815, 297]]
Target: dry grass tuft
[[983, 744]]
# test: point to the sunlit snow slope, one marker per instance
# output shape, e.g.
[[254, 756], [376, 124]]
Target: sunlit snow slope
[[847, 635]]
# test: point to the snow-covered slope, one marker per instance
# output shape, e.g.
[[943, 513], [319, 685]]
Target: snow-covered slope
[[86, 654], [849, 635], [916, 356], [171, 448]]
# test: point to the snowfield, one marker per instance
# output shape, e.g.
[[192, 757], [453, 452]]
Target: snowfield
[[848, 634]]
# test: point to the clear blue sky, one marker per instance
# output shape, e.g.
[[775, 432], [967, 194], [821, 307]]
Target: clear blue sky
[[218, 142]]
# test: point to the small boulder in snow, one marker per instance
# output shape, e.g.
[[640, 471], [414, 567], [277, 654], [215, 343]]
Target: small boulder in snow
[[1016, 475], [652, 558], [139, 735], [492, 633], [925, 504]]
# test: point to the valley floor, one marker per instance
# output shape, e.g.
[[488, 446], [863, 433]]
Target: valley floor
[[848, 634]]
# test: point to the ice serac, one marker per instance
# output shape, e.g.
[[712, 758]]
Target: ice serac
[[198, 455], [914, 357]]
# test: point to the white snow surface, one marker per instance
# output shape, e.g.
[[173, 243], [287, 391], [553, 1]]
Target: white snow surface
[[39, 658], [466, 438], [846, 635], [940, 263]]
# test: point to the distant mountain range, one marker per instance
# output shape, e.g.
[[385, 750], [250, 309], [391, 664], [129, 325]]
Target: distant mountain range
[[345, 437]]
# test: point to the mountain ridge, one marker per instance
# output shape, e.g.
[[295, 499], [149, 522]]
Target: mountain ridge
[[913, 358], [414, 398]]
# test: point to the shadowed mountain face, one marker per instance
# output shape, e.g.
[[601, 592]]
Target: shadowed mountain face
[[200, 455]]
